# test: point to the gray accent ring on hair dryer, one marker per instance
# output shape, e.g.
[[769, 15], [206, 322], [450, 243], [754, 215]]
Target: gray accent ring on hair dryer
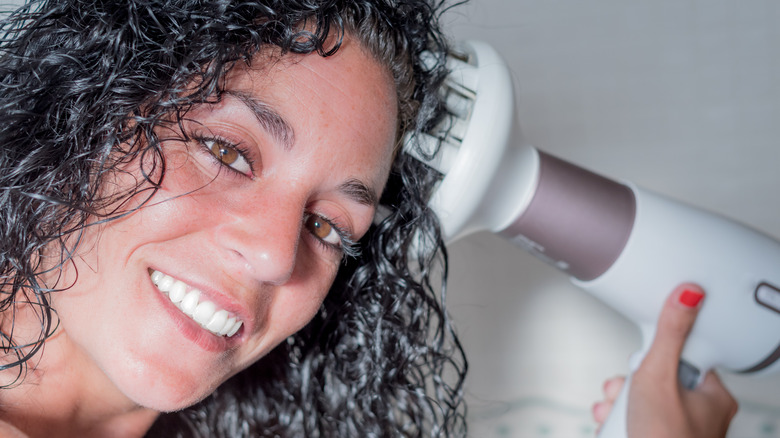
[[627, 246]]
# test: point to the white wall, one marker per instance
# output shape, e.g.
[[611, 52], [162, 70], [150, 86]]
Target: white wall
[[681, 97]]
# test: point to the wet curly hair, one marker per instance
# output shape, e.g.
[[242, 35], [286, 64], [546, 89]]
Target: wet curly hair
[[84, 87]]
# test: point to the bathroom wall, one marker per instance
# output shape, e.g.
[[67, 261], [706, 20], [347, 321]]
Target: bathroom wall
[[681, 97]]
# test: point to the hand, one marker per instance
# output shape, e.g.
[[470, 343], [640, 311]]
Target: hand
[[658, 406]]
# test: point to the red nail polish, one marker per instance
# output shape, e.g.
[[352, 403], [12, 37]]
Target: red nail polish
[[691, 298]]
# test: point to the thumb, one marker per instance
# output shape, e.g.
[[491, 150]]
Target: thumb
[[674, 324]]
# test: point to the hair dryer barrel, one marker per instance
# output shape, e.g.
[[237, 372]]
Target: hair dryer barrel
[[576, 220], [630, 247], [671, 243]]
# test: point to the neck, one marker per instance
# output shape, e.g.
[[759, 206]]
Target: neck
[[64, 394]]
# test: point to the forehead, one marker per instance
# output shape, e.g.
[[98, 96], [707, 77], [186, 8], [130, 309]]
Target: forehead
[[347, 100]]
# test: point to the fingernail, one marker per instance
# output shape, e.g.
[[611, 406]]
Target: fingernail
[[691, 298]]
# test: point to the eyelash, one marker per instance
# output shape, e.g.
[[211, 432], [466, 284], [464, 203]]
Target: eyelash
[[242, 152], [347, 246]]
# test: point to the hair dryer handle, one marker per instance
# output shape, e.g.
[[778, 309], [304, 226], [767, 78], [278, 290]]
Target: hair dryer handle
[[616, 424]]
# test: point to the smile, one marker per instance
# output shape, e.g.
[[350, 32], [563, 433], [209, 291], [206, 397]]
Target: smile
[[218, 321]]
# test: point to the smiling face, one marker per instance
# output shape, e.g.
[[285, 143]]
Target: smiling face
[[275, 179]]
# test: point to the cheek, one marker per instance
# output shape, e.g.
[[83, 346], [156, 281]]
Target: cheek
[[185, 172], [295, 312], [295, 306], [182, 168]]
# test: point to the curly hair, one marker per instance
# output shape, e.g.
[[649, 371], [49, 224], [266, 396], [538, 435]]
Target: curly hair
[[84, 87]]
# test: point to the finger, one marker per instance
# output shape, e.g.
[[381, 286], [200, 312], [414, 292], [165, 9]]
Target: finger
[[711, 384], [674, 324], [710, 403], [601, 410], [714, 388], [612, 388]]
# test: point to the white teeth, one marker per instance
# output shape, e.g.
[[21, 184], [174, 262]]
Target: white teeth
[[235, 328], [228, 326], [176, 294], [206, 313], [165, 283], [231, 327], [217, 322], [156, 277], [190, 302]]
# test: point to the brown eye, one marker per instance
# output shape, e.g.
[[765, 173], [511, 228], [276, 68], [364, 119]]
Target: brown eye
[[228, 155], [322, 230], [225, 154]]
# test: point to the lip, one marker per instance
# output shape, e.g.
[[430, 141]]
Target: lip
[[191, 330]]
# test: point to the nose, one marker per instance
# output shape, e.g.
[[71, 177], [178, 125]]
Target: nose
[[260, 241]]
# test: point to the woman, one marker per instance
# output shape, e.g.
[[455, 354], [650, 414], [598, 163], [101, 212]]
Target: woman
[[187, 187], [189, 191]]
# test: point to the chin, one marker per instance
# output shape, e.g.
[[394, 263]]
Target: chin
[[166, 398], [164, 388]]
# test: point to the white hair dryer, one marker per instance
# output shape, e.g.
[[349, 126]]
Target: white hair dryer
[[625, 245]]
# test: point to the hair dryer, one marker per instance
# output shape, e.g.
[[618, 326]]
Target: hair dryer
[[623, 244]]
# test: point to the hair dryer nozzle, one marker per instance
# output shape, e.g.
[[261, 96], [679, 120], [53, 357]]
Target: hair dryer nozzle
[[489, 174]]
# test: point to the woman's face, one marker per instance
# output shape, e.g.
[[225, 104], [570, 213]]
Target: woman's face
[[245, 229]]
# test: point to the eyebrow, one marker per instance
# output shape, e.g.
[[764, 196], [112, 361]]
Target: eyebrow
[[268, 118], [275, 124], [359, 192]]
